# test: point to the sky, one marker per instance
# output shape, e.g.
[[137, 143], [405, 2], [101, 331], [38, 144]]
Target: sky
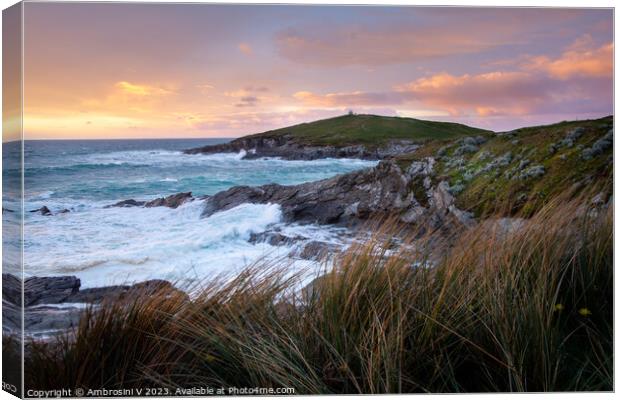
[[194, 70]]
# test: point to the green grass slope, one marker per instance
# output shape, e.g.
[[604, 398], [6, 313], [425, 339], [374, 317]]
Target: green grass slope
[[519, 171], [371, 130]]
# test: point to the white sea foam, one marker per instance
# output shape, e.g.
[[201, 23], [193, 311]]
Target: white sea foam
[[123, 245], [104, 246]]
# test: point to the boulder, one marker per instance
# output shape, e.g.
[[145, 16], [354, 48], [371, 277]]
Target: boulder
[[127, 203], [43, 211], [274, 238], [316, 251], [49, 290], [53, 305], [172, 201]]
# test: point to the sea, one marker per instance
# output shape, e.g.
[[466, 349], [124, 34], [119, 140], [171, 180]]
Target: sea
[[106, 246]]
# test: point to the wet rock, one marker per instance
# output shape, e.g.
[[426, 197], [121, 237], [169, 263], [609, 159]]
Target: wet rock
[[49, 290], [123, 292], [289, 148], [53, 305], [11, 289], [274, 238], [172, 201], [316, 251], [43, 211], [382, 189], [64, 211], [127, 203]]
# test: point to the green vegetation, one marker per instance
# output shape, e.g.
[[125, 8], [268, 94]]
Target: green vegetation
[[506, 186], [372, 130], [528, 310]]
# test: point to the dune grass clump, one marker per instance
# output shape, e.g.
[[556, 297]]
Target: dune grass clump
[[522, 309]]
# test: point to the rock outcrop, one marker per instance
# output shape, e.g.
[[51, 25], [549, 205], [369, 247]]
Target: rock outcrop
[[353, 197], [172, 201], [288, 148], [54, 305], [43, 211]]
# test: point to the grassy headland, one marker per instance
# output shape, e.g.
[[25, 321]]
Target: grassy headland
[[521, 170], [371, 130], [522, 306]]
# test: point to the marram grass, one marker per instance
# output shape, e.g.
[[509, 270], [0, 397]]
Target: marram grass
[[529, 310]]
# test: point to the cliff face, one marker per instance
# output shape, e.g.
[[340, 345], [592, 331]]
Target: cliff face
[[354, 197]]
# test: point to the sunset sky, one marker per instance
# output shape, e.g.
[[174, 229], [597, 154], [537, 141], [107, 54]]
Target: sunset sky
[[179, 70]]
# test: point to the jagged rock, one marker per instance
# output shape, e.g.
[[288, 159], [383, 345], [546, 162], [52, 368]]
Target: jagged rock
[[43, 211], [317, 251], [599, 146], [52, 304], [49, 290], [127, 203], [274, 238], [382, 189], [288, 148], [456, 188], [11, 289], [455, 162], [123, 292], [172, 201], [353, 197], [532, 172], [465, 149], [497, 162]]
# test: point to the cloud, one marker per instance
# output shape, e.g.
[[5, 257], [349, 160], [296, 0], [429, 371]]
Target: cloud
[[141, 90], [256, 89], [247, 101], [577, 61], [423, 34], [351, 45], [492, 94], [245, 49], [205, 88], [357, 98]]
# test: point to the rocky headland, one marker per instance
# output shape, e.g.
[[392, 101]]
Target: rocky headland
[[444, 176]]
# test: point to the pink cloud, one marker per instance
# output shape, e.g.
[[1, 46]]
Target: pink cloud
[[577, 61]]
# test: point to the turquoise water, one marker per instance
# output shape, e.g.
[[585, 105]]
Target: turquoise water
[[114, 245]]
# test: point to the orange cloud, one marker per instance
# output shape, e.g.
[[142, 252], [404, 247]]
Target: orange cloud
[[346, 99], [577, 61], [141, 90], [487, 94], [245, 48]]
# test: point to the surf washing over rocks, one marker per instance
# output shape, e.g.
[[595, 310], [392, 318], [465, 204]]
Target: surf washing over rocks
[[72, 230]]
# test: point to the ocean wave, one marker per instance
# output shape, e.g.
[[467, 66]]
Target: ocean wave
[[108, 246]]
